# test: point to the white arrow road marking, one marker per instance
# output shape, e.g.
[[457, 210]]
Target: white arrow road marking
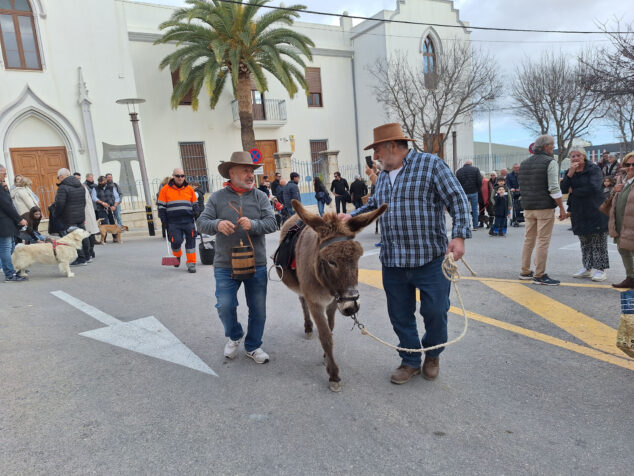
[[146, 336]]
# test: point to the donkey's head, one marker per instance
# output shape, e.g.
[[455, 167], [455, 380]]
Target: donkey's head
[[337, 260]]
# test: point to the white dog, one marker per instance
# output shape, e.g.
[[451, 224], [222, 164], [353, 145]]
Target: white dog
[[62, 253]]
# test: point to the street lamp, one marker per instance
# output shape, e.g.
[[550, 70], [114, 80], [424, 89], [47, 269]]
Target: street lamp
[[134, 119]]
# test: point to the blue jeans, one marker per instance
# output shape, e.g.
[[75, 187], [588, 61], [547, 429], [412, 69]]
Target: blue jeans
[[227, 304], [6, 248], [475, 210], [400, 286], [320, 207], [117, 215]]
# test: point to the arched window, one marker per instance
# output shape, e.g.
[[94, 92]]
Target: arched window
[[17, 32], [430, 67], [429, 56]]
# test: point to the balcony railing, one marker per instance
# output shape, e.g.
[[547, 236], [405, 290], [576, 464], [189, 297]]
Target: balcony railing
[[269, 113]]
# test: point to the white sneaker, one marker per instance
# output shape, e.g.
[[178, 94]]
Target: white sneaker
[[583, 273], [599, 276], [259, 356], [231, 348]]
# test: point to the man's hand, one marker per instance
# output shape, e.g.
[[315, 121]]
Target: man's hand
[[618, 188], [456, 246], [245, 223], [344, 217], [226, 227], [113, 208], [562, 214]]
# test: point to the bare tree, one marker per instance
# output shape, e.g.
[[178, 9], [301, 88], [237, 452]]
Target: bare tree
[[430, 104], [551, 99], [621, 116], [611, 71]]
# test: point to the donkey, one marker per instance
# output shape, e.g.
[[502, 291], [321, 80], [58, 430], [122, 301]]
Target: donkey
[[327, 273]]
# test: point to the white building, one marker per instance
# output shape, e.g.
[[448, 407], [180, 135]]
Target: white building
[[66, 62]]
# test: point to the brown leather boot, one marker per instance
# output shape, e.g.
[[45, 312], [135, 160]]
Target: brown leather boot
[[431, 367], [404, 374], [626, 283]]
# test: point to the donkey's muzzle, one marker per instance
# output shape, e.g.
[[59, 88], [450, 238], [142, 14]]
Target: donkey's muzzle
[[348, 303]]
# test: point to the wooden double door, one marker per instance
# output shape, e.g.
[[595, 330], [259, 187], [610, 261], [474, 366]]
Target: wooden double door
[[40, 165], [268, 148]]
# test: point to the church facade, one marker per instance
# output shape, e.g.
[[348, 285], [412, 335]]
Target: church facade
[[65, 63]]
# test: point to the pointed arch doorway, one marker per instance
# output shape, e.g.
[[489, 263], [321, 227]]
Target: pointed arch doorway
[[40, 164]]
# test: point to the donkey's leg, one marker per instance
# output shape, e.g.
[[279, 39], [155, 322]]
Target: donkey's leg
[[325, 337], [330, 312], [308, 323]]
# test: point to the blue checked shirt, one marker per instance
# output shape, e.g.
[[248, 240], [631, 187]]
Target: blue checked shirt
[[413, 230]]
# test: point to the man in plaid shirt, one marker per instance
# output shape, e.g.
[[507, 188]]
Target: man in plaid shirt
[[417, 187]]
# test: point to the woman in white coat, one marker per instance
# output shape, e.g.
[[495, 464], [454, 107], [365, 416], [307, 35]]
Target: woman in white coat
[[23, 197], [91, 222]]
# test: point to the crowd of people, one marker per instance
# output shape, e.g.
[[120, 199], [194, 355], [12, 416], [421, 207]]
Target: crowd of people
[[76, 205], [534, 189]]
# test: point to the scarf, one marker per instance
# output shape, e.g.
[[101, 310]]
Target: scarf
[[237, 189]]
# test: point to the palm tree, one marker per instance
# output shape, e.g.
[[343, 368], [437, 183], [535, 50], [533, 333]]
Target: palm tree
[[216, 39]]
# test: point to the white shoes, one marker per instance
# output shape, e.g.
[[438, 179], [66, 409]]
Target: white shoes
[[259, 356], [231, 348], [583, 273], [596, 275]]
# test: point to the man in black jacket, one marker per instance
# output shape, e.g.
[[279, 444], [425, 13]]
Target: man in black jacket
[[471, 181], [70, 206], [291, 192], [275, 185], [9, 222], [340, 188], [358, 190]]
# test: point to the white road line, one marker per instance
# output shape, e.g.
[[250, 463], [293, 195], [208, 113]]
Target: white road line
[[93, 312], [371, 253]]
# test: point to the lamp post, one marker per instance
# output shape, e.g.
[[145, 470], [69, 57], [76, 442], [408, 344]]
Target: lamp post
[[134, 119]]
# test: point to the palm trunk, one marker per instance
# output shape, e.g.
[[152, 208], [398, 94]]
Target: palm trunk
[[245, 110]]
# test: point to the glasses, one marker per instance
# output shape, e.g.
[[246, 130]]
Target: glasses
[[178, 176], [631, 164]]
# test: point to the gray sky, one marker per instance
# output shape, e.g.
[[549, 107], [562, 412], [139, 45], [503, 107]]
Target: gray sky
[[508, 48]]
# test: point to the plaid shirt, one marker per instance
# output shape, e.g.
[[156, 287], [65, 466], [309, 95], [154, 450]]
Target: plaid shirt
[[413, 230]]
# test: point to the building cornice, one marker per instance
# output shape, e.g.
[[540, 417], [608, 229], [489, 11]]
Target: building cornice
[[145, 37]]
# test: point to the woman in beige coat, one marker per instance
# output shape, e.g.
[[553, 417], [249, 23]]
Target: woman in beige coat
[[621, 224], [23, 197]]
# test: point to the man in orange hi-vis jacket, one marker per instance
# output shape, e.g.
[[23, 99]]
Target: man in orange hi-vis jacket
[[177, 208]]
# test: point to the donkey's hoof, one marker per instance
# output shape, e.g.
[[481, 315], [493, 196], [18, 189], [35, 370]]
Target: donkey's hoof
[[334, 386], [308, 335]]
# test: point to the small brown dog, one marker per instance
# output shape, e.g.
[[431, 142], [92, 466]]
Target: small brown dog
[[114, 230]]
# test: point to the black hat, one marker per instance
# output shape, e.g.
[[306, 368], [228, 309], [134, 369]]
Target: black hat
[[293, 175]]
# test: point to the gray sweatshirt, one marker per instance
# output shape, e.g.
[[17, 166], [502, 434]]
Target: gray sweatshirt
[[255, 206]]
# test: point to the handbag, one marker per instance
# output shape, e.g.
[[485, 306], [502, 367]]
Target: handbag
[[625, 334], [327, 199], [207, 250], [606, 206]]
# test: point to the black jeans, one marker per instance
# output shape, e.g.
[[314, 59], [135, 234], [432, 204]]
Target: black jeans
[[358, 203], [83, 254], [341, 203]]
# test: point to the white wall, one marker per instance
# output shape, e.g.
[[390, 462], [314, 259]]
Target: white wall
[[32, 132]]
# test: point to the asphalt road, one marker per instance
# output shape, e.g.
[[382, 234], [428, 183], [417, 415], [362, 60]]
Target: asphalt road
[[532, 389]]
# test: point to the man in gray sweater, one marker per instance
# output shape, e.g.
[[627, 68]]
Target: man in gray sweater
[[231, 213]]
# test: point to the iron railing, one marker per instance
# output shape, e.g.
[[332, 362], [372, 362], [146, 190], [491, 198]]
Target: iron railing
[[269, 110]]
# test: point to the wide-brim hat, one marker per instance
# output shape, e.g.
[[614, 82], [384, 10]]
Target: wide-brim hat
[[237, 158], [388, 133]]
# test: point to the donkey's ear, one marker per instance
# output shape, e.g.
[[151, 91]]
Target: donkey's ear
[[361, 221], [312, 220]]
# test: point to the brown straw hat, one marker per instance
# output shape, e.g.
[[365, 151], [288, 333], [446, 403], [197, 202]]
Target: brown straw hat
[[237, 158], [387, 133]]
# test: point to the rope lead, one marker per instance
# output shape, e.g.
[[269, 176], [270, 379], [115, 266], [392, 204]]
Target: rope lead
[[450, 271]]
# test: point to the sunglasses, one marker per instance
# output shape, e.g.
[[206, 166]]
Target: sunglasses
[[179, 176], [631, 164]]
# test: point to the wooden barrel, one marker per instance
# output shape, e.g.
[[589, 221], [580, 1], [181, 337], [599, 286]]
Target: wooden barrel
[[242, 262]]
